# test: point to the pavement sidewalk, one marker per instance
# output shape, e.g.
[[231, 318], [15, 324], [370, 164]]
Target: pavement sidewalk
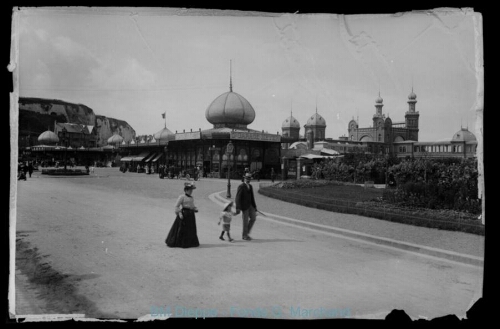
[[455, 246]]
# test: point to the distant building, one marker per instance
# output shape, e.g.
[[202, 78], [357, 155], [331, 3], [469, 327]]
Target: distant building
[[76, 135], [383, 137], [383, 129]]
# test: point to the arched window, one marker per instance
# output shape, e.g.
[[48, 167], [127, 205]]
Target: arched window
[[352, 137], [379, 137]]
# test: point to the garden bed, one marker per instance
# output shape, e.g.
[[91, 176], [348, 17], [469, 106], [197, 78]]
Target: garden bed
[[353, 199]]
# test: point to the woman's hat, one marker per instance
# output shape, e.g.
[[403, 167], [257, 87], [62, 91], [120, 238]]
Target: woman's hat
[[189, 185], [248, 176]]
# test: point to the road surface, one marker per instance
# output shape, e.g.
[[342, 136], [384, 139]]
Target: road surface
[[93, 246]]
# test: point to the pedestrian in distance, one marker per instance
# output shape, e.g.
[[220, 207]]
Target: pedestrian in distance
[[21, 172], [245, 203], [273, 175], [183, 233], [30, 168], [226, 217], [25, 168]]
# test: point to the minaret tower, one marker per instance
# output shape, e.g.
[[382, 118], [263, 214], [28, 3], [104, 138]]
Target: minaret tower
[[378, 106], [291, 127], [411, 117]]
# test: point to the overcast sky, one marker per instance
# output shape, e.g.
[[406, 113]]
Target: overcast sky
[[134, 64]]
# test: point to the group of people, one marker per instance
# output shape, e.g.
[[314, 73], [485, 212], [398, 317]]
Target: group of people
[[23, 169], [183, 232]]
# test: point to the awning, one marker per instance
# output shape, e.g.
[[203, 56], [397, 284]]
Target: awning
[[126, 159], [140, 157], [157, 157], [149, 157], [314, 156], [328, 151]]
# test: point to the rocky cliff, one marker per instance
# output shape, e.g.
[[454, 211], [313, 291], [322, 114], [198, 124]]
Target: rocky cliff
[[36, 115]]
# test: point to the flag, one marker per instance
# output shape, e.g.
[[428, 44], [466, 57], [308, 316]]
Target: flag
[[163, 115]]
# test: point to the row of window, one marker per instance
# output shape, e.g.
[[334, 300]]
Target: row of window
[[439, 148]]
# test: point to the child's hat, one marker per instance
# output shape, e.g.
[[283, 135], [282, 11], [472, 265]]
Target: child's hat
[[227, 204]]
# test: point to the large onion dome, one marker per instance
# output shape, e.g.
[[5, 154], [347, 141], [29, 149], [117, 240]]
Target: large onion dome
[[230, 108]]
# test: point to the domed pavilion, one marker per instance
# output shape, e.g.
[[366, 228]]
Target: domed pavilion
[[231, 114]]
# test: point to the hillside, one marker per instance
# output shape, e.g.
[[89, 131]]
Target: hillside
[[36, 115]]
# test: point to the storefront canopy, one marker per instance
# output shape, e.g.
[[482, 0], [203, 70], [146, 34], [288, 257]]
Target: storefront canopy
[[149, 157], [140, 157], [157, 157]]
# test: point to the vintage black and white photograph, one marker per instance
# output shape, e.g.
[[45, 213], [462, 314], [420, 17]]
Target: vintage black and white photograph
[[219, 163]]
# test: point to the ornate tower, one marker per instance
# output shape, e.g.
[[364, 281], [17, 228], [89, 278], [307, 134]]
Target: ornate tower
[[379, 120], [291, 127], [317, 125], [411, 117]]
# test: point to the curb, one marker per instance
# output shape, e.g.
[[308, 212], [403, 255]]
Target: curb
[[414, 248]]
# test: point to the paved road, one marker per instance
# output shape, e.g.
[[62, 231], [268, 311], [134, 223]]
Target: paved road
[[94, 246]]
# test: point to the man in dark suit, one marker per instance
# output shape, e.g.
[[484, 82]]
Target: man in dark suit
[[245, 203]]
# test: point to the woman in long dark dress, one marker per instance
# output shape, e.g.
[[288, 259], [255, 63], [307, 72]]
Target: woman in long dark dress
[[183, 232]]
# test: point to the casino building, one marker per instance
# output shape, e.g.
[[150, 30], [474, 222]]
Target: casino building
[[384, 137], [230, 114]]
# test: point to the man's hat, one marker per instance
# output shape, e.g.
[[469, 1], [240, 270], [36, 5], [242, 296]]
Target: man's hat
[[189, 185], [248, 176]]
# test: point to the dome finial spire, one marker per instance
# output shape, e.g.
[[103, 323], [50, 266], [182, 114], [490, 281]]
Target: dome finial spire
[[230, 77]]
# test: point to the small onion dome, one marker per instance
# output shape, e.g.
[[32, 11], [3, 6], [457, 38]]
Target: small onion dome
[[379, 100], [412, 96], [115, 139], [163, 135], [48, 137], [290, 122], [463, 135], [232, 108], [316, 120]]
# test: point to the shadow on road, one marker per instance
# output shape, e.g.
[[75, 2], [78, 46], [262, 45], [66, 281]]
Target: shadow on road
[[268, 240], [218, 245]]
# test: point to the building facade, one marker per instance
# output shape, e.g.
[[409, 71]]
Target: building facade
[[230, 114]]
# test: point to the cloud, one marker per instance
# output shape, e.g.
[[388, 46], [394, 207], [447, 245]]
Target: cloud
[[122, 74], [61, 63]]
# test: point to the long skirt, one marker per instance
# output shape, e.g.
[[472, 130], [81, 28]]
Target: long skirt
[[183, 232]]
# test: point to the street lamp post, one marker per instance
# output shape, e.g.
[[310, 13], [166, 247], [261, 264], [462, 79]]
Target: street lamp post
[[283, 168], [165, 167], [229, 151]]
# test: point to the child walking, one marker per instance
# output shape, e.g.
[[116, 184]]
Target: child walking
[[226, 217]]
